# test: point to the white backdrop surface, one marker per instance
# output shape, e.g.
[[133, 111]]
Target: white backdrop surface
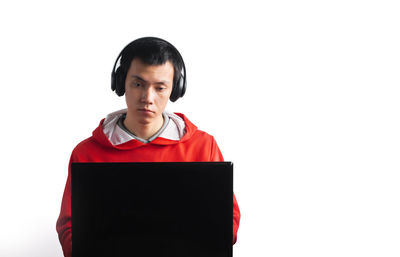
[[303, 96]]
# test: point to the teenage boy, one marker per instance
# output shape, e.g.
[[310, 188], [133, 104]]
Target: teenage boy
[[150, 73]]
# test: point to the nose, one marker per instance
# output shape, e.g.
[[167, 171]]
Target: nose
[[147, 96]]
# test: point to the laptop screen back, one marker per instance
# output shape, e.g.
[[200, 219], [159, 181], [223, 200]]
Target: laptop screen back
[[152, 209]]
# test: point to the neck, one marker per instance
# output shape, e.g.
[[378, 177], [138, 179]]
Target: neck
[[143, 130]]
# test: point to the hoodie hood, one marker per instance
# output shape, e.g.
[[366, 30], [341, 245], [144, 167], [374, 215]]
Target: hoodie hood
[[108, 133]]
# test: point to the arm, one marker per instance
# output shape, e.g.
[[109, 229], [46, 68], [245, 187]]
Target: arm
[[236, 219], [63, 225], [216, 156]]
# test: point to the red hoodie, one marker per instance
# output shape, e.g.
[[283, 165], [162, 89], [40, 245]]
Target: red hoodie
[[194, 146]]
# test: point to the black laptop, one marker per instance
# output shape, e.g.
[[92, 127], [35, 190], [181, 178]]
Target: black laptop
[[161, 209]]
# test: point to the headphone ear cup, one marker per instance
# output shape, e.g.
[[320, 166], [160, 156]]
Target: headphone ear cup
[[179, 89], [182, 80], [174, 94], [113, 81], [119, 82]]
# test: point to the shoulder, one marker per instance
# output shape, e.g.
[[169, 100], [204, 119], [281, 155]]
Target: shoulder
[[193, 134], [82, 148], [191, 130]]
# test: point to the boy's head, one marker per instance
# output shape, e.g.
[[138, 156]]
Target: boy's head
[[150, 51]]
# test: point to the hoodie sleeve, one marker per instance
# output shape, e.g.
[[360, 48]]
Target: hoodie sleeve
[[216, 156], [63, 225]]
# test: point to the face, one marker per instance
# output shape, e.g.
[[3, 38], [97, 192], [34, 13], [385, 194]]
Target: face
[[147, 90]]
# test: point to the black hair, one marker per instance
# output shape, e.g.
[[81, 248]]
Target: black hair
[[151, 51]]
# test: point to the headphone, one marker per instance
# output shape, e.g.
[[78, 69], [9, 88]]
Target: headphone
[[118, 76]]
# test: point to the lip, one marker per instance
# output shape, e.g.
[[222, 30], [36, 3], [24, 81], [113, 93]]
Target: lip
[[145, 110]]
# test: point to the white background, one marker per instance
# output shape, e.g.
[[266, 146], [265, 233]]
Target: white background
[[303, 96]]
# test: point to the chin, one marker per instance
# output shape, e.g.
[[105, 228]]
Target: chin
[[145, 121]]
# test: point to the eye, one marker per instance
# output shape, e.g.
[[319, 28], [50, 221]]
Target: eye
[[136, 84], [161, 88]]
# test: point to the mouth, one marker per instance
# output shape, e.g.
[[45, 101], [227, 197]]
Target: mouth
[[145, 110]]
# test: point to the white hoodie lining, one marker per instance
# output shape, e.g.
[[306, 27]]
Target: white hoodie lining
[[120, 123], [174, 130]]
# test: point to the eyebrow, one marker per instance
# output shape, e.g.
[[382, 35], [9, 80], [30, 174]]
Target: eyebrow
[[141, 79]]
